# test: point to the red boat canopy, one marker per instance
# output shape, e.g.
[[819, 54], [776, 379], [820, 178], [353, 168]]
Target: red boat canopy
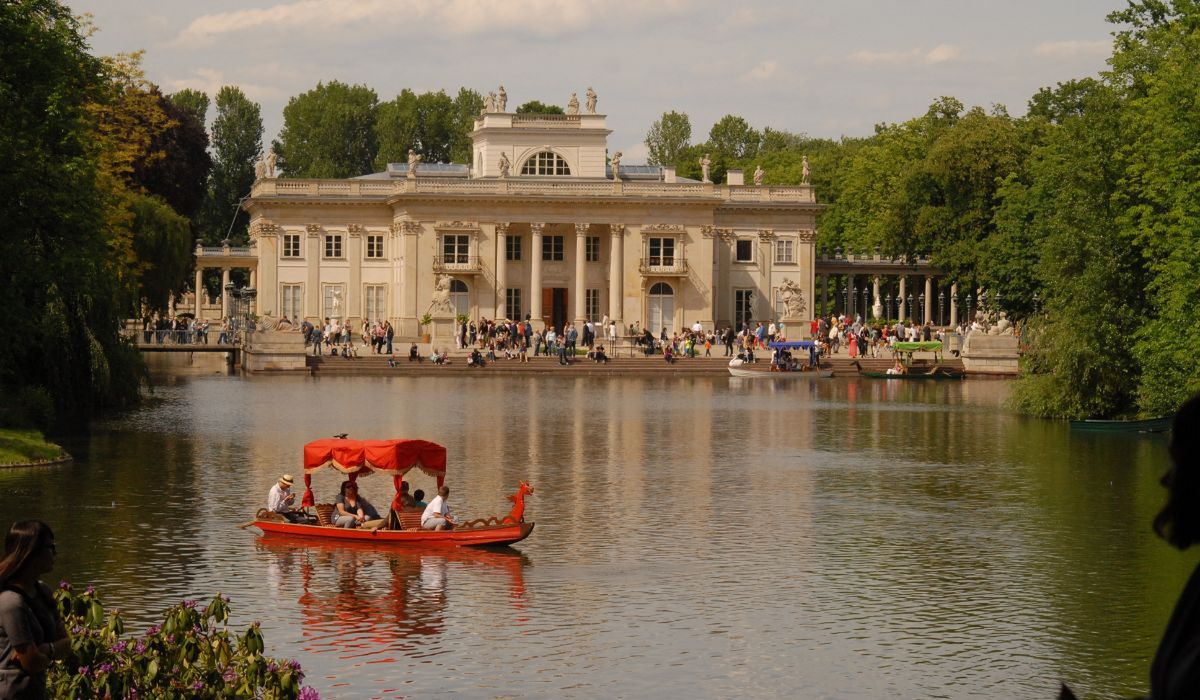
[[361, 457]]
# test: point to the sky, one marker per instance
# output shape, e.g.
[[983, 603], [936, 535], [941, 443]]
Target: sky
[[826, 69]]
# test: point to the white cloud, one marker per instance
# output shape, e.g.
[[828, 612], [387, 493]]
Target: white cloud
[[635, 154], [1073, 48], [455, 18], [210, 81], [762, 71], [938, 54]]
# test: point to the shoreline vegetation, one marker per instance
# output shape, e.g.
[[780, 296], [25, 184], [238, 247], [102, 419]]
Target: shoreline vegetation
[[28, 447]]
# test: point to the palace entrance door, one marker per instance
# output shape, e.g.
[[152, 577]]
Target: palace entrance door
[[554, 307]]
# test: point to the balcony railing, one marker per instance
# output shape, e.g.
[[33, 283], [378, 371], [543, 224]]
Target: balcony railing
[[663, 266], [450, 262]]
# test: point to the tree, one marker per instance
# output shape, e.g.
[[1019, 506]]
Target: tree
[[536, 107], [329, 132], [194, 101], [237, 142], [732, 138], [430, 124], [668, 137], [163, 244], [180, 175], [467, 104]]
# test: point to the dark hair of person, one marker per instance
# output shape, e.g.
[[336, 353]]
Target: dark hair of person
[[418, 495], [347, 485], [25, 539], [1179, 520]]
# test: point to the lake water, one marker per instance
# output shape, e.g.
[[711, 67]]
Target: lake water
[[705, 537]]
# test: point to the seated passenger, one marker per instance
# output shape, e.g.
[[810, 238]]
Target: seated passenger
[[898, 368], [419, 499], [351, 509], [281, 500], [414, 353], [437, 513]]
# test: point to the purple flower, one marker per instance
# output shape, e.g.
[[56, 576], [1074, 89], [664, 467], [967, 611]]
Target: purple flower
[[64, 586], [226, 599], [153, 630], [140, 647], [230, 675], [119, 648], [293, 664], [76, 630], [309, 693], [171, 638], [189, 604], [197, 629], [272, 667], [103, 668], [198, 685], [90, 590], [84, 670]]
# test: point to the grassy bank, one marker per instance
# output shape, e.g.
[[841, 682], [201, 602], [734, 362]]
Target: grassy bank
[[18, 446]]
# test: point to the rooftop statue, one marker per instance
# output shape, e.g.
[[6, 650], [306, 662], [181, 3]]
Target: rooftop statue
[[804, 171], [413, 159], [793, 299], [505, 164], [705, 164], [616, 165], [501, 100], [573, 104], [489, 102], [758, 176], [591, 100], [271, 163], [260, 168]]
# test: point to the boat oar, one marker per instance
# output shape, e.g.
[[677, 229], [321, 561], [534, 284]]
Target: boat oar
[[245, 525]]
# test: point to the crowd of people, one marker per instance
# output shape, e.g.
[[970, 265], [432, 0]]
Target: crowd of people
[[188, 330], [353, 510]]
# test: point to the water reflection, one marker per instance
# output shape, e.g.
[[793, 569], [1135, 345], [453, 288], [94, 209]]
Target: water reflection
[[710, 536]]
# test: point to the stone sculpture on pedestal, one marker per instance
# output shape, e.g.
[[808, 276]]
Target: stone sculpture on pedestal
[[501, 100], [705, 164], [573, 104], [758, 176], [591, 101]]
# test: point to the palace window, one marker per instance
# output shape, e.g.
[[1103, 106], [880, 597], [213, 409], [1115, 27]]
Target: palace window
[[592, 304], [785, 251], [592, 248], [512, 303], [662, 251], [545, 163], [512, 248], [375, 247], [291, 245], [552, 248], [291, 301], [456, 248], [333, 246], [743, 307], [744, 251], [376, 302]]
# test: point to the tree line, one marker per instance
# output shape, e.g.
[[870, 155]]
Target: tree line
[[1081, 216]]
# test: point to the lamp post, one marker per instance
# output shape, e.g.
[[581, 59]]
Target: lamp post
[[866, 303], [941, 317], [854, 302], [970, 308], [921, 306], [845, 299], [983, 302], [908, 307], [887, 310], [999, 306]]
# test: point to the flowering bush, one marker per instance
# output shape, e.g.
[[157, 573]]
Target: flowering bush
[[191, 655]]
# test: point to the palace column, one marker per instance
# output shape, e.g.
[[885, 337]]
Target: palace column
[[581, 232], [904, 310], [535, 275], [224, 293], [877, 305], [199, 288], [616, 281], [314, 299], [928, 310], [502, 270], [355, 308], [954, 304]]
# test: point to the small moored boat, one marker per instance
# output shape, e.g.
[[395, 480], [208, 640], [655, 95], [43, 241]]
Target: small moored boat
[[356, 458], [1148, 425], [783, 365]]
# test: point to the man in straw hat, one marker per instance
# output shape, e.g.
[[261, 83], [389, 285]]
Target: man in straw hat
[[281, 498]]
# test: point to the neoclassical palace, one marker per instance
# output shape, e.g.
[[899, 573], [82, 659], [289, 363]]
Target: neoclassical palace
[[541, 224]]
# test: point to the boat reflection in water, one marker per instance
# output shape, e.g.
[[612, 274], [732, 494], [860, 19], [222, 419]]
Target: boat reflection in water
[[360, 601]]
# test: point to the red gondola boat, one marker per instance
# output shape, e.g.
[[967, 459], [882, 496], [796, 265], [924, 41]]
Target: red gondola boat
[[356, 458]]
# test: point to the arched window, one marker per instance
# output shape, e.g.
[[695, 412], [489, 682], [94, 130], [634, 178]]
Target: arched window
[[459, 298], [545, 163], [660, 308]]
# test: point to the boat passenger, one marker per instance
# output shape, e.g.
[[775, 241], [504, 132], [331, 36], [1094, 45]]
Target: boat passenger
[[898, 368], [406, 500], [281, 500], [419, 499], [352, 509], [437, 513]]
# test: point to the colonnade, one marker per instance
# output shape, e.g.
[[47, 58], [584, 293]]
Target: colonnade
[[916, 297]]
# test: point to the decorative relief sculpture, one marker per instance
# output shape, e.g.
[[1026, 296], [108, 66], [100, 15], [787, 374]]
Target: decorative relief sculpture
[[705, 164], [313, 229], [616, 165], [501, 100], [805, 172], [441, 295], [335, 303], [766, 234], [1003, 326], [260, 168], [356, 229], [573, 104], [505, 164], [591, 100], [758, 176], [413, 159], [582, 229], [271, 157], [792, 297]]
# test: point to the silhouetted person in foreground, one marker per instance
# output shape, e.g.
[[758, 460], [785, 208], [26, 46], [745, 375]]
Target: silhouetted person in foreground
[[1175, 672]]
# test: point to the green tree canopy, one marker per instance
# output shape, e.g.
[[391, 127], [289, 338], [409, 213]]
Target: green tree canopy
[[668, 138], [236, 142], [194, 101], [538, 107], [732, 138], [329, 132]]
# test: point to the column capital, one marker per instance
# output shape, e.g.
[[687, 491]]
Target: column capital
[[616, 230], [582, 229], [314, 229], [356, 229], [536, 228], [707, 231], [766, 235], [501, 228]]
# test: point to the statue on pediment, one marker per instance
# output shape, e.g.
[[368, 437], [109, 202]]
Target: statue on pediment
[[805, 172], [591, 100], [758, 176], [616, 165], [501, 100], [505, 165], [260, 168], [271, 158], [413, 159], [573, 104], [705, 164]]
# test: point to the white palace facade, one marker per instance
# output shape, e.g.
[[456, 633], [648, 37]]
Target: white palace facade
[[536, 225]]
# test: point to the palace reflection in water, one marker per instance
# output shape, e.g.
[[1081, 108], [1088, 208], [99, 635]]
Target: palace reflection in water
[[705, 537]]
